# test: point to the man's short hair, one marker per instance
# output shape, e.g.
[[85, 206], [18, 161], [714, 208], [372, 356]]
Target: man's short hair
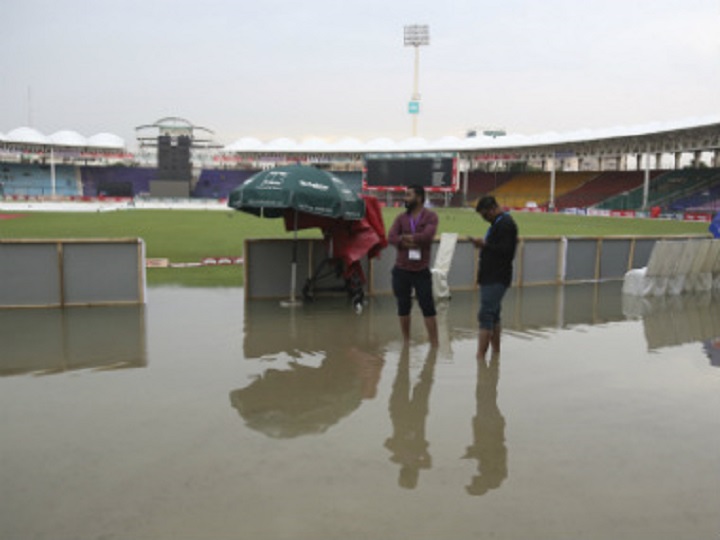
[[418, 190], [486, 203]]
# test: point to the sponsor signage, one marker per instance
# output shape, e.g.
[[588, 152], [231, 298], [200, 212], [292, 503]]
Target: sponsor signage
[[697, 216]]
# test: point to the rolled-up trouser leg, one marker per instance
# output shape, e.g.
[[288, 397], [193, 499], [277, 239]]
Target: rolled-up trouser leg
[[490, 304], [402, 289], [423, 291]]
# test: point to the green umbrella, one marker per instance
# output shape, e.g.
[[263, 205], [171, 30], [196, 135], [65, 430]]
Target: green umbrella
[[274, 192], [304, 189]]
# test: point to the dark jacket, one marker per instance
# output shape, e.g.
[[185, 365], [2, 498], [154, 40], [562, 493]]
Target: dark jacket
[[496, 257]]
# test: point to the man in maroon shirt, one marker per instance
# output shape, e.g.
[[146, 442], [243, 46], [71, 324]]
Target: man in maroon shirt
[[412, 234]]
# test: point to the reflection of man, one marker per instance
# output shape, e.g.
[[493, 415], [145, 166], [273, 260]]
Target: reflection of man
[[488, 446], [497, 251], [412, 233], [408, 412]]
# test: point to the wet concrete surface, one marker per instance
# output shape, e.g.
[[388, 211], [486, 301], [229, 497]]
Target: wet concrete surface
[[200, 417]]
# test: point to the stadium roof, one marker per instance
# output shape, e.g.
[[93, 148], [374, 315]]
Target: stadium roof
[[28, 135], [478, 143]]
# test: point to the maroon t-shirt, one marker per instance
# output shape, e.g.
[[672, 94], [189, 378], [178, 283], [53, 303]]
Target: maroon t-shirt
[[423, 229]]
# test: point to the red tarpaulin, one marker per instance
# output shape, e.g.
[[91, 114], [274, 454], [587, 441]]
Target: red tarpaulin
[[349, 241]]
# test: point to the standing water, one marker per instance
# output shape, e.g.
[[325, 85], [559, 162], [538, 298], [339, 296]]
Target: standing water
[[200, 417]]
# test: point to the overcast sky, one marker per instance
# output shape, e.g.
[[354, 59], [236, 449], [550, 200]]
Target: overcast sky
[[336, 68]]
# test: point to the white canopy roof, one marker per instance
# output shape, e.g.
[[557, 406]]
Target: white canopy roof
[[480, 142], [68, 138], [106, 140], [28, 135]]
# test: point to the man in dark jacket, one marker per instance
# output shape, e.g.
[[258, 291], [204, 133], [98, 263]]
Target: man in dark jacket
[[497, 251]]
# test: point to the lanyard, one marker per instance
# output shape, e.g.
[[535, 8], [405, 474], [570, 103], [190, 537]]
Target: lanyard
[[414, 222]]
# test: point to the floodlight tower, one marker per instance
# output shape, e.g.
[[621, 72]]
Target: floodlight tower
[[415, 36]]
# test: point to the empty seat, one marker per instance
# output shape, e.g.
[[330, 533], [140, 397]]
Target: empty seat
[[675, 267]]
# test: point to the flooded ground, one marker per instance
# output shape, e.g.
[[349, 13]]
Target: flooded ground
[[199, 417]]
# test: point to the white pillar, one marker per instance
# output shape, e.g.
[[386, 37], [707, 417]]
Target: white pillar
[[697, 159], [52, 172], [646, 183], [551, 203]]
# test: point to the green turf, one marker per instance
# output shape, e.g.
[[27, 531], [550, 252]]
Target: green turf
[[190, 235], [200, 276], [466, 221]]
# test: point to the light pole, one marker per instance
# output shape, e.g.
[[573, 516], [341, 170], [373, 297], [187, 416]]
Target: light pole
[[415, 36]]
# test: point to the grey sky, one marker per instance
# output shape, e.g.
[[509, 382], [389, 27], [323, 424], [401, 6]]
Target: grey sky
[[288, 68]]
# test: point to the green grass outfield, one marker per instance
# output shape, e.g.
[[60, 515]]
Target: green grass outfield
[[190, 235]]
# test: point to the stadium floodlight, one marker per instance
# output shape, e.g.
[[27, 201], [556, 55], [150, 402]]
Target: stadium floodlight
[[416, 35]]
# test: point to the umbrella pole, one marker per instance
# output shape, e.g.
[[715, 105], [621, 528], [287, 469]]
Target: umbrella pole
[[293, 273], [293, 267]]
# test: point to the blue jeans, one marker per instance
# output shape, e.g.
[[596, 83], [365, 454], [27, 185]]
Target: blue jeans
[[490, 303]]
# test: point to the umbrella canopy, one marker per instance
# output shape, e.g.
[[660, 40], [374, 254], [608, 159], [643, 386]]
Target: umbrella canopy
[[303, 189], [300, 190]]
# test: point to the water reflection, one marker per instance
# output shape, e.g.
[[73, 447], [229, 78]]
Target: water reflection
[[675, 320], [323, 361], [327, 326], [537, 309], [304, 400], [326, 360], [606, 441], [409, 409], [271, 330], [47, 341], [488, 446]]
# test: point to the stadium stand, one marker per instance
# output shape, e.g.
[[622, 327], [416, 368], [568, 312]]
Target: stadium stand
[[664, 189], [218, 183], [116, 181], [706, 198], [603, 186], [534, 187], [479, 183], [702, 201], [32, 180]]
